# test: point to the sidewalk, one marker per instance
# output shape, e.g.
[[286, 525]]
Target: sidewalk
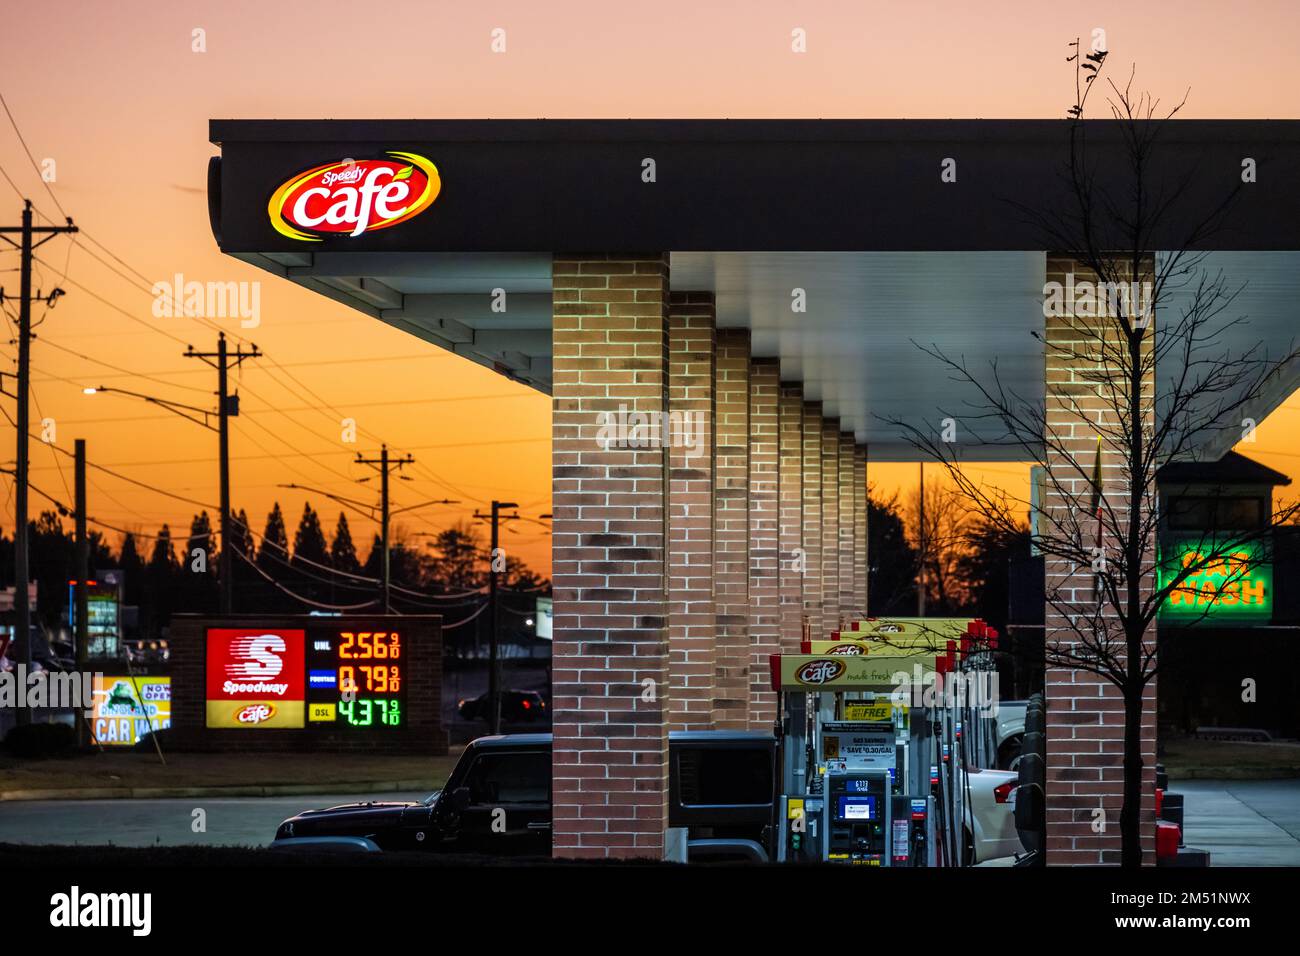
[[1243, 822]]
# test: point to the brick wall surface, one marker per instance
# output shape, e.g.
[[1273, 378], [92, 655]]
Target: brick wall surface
[[860, 530], [692, 618], [812, 518], [764, 611], [610, 666], [848, 526], [731, 530], [830, 431], [1085, 712], [790, 531]]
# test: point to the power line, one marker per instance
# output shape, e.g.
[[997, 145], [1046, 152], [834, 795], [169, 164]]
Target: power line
[[298, 597], [14, 123], [125, 373]]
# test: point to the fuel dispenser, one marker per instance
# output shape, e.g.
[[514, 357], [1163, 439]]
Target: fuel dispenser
[[859, 825], [860, 769], [857, 791], [870, 777]]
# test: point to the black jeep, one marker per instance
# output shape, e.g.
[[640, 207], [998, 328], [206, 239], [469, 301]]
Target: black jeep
[[497, 801]]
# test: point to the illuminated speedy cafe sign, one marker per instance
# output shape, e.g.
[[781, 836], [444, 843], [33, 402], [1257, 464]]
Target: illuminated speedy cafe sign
[[318, 676], [350, 197]]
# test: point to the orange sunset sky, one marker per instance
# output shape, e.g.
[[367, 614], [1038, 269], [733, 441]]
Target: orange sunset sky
[[113, 93]]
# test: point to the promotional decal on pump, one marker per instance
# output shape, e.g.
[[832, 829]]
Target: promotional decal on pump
[[350, 197]]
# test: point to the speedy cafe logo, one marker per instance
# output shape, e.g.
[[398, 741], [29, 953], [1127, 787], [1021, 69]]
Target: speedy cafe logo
[[255, 713], [820, 671], [849, 649], [354, 196]]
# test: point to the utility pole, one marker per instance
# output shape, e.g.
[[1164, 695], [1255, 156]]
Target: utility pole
[[383, 464], [228, 406], [494, 676], [81, 599], [920, 540], [22, 571]]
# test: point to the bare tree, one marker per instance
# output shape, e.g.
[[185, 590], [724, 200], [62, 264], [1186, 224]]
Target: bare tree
[[940, 543], [1148, 299]]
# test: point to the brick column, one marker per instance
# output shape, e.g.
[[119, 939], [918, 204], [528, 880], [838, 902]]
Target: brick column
[[764, 613], [691, 615], [731, 531], [610, 766], [848, 525], [860, 530], [1085, 714], [812, 517], [790, 529], [830, 430]]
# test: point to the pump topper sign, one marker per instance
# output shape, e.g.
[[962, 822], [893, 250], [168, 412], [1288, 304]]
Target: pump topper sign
[[351, 197]]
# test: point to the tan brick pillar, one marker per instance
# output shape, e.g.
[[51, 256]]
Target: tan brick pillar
[[848, 526], [764, 612], [860, 530], [830, 527], [1085, 717], [692, 619], [731, 531], [610, 766], [790, 530], [812, 517]]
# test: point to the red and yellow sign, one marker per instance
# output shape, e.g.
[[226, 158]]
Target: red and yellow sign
[[351, 197], [256, 677]]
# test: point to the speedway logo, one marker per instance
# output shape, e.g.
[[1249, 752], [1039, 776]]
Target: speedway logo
[[354, 196], [820, 671], [254, 660], [256, 677]]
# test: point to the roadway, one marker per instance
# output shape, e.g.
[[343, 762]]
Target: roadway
[[1241, 823], [229, 821]]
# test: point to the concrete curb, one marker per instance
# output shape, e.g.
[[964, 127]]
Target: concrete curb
[[245, 790]]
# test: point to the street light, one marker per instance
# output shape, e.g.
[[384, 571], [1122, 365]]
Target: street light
[[188, 412], [200, 416]]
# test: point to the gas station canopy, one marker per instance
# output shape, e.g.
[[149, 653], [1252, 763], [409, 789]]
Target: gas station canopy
[[889, 253]]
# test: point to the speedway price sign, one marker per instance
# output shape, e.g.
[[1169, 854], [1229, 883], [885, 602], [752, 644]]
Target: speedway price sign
[[356, 678], [320, 676]]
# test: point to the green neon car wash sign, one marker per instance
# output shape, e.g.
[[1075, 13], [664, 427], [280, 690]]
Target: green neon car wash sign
[[1231, 583]]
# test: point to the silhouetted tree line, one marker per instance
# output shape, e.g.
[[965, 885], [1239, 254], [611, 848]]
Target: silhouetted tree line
[[166, 573]]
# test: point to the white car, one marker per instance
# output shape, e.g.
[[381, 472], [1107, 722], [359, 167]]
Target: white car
[[1011, 733], [991, 815]]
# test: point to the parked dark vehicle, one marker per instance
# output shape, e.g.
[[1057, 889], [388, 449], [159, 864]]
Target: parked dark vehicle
[[721, 788], [517, 706]]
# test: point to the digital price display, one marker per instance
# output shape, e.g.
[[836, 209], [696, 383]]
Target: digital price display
[[356, 678], [856, 808]]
